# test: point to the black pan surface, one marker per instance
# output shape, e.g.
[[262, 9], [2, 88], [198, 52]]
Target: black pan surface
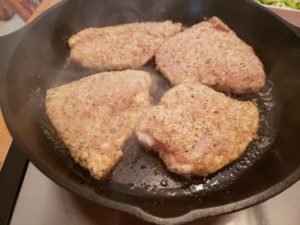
[[140, 184]]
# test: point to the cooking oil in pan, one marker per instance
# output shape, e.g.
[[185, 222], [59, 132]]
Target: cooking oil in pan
[[141, 172], [156, 174]]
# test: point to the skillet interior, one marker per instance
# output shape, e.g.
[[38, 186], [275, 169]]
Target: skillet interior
[[40, 62]]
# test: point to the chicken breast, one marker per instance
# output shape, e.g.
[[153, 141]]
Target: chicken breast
[[210, 53], [95, 115], [120, 47], [196, 130]]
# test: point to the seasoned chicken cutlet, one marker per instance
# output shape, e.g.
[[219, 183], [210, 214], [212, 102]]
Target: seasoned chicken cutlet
[[212, 54], [196, 130], [95, 115], [127, 46]]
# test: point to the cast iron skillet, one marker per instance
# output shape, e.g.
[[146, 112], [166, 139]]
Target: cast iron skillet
[[35, 59]]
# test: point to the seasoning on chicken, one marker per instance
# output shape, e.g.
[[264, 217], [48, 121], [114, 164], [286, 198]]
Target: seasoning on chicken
[[127, 46], [95, 115], [212, 54], [196, 130]]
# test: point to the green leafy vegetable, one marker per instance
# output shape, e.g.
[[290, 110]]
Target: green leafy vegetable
[[295, 4]]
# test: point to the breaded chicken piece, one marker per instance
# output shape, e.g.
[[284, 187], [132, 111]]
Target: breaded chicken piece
[[196, 130], [127, 46], [95, 115], [210, 53]]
